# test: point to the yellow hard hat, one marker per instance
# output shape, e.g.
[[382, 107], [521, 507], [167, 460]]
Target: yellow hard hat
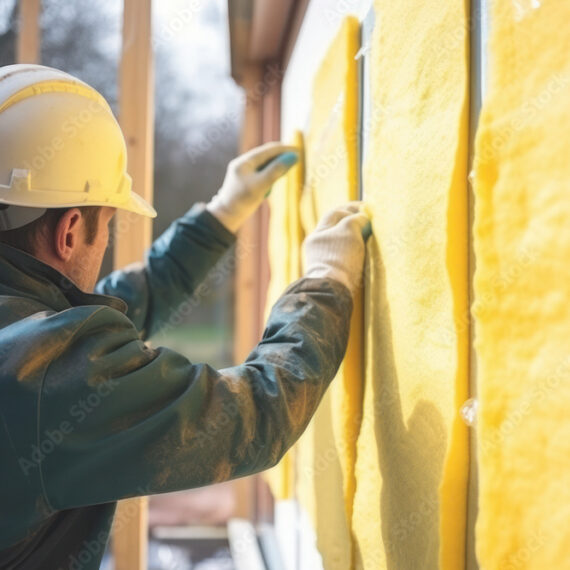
[[60, 146]]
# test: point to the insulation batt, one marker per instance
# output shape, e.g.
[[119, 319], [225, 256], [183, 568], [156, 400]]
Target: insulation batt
[[326, 453], [522, 287], [285, 239], [412, 454]]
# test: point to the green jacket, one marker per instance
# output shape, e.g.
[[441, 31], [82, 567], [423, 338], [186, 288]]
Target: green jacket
[[90, 414]]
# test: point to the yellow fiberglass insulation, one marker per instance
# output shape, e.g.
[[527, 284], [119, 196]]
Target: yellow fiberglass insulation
[[522, 290], [284, 244], [327, 450], [412, 453]]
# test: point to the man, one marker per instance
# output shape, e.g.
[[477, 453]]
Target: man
[[89, 413]]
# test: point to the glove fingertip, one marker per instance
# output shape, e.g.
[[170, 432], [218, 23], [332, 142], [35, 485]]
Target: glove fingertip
[[289, 158], [367, 231]]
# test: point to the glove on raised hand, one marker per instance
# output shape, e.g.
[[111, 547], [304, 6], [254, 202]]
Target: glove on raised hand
[[248, 179], [336, 248]]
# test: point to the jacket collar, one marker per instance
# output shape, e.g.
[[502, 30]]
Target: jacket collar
[[23, 275]]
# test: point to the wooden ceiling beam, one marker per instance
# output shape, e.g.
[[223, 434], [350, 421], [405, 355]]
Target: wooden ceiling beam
[[269, 26], [263, 31]]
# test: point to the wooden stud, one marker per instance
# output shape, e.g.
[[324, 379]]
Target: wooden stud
[[134, 232], [269, 25], [29, 33], [293, 32], [261, 124], [130, 534], [271, 131], [136, 116], [247, 329]]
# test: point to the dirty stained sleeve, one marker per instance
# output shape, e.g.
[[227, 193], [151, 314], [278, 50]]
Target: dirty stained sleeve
[[142, 421]]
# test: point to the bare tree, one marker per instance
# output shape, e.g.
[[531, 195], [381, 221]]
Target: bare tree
[[8, 37]]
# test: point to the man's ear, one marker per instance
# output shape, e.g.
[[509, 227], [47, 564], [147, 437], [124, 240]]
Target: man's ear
[[68, 234]]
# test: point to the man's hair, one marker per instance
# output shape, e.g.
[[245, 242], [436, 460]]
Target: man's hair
[[26, 238]]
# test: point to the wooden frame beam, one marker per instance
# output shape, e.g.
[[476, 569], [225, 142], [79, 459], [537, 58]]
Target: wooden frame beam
[[259, 68], [295, 23], [261, 124], [270, 21], [262, 36], [271, 131], [262, 31], [136, 116], [28, 46], [247, 284], [134, 232], [249, 238]]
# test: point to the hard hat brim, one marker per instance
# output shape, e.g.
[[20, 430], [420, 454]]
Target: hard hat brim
[[138, 205]]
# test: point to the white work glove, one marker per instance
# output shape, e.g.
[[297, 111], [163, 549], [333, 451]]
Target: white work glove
[[248, 180], [336, 248]]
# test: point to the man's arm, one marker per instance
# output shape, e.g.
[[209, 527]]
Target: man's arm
[[174, 266], [144, 421], [180, 259]]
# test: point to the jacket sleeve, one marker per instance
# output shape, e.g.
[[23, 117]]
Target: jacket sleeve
[[174, 267], [127, 434]]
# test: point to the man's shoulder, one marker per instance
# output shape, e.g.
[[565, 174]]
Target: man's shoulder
[[16, 309], [30, 330]]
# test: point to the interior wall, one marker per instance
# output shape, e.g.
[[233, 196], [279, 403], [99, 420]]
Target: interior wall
[[322, 22], [413, 462]]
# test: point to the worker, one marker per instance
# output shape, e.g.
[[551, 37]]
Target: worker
[[89, 412]]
